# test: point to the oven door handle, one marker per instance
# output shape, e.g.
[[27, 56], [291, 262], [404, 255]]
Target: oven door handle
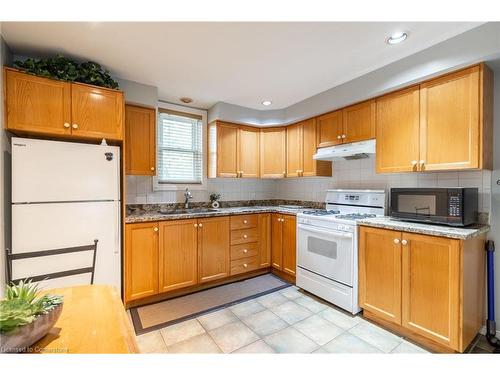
[[325, 232]]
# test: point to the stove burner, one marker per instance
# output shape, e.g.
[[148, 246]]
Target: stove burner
[[355, 216], [321, 212]]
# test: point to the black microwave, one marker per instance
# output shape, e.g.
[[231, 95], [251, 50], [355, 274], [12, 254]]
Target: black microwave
[[449, 206]]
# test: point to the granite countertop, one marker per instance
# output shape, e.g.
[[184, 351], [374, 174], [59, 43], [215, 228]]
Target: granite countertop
[[144, 216], [429, 229]]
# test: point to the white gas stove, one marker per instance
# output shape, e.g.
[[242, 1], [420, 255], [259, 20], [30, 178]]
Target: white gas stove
[[327, 245]]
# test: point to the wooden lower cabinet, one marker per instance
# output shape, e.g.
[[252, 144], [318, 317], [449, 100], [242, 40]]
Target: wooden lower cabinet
[[178, 254], [141, 260], [213, 248], [283, 231], [429, 288], [264, 240]]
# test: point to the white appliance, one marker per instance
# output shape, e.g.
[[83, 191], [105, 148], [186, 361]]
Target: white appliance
[[327, 245], [65, 195], [348, 151]]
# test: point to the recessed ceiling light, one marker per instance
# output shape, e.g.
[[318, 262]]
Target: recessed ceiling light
[[267, 102], [186, 100], [397, 38]]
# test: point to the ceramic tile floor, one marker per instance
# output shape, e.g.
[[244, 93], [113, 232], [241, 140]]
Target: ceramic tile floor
[[287, 321]]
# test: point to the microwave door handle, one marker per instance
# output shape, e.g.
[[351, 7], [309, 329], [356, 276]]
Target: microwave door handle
[[324, 232]]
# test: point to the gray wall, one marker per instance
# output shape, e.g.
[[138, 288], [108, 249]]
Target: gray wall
[[5, 59]]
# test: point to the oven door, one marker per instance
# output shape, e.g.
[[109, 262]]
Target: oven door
[[326, 252]]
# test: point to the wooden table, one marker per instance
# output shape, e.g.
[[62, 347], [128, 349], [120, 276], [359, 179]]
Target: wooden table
[[93, 320]]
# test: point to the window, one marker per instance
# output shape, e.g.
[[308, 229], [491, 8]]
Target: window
[[180, 150]]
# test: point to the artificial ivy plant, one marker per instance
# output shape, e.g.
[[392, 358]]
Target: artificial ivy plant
[[65, 69]]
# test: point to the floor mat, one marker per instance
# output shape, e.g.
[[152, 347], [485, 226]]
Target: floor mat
[[161, 314]]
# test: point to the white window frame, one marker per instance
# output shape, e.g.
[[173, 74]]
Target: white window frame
[[193, 111]]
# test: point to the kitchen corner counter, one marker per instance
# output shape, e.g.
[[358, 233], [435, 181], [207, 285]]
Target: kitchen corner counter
[[466, 233], [145, 216]]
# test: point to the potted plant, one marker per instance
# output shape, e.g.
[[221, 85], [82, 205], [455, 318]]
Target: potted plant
[[26, 316], [214, 199]]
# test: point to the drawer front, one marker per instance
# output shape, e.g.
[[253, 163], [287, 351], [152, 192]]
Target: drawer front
[[244, 236], [245, 250], [244, 265], [244, 221]]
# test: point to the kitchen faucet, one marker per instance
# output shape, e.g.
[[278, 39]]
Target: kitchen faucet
[[188, 196]]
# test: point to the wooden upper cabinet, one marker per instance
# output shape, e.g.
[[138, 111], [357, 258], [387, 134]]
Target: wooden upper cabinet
[[141, 260], [359, 122], [276, 242], [330, 129], [178, 254], [450, 127], [380, 273], [431, 287], [273, 152], [140, 136], [311, 167], [294, 150], [398, 131], [213, 248], [248, 152], [227, 150], [289, 244], [96, 112], [38, 105]]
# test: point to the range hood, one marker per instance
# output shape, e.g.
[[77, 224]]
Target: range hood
[[347, 151]]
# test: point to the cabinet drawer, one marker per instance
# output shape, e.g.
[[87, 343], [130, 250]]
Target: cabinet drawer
[[245, 250], [243, 221], [244, 236], [244, 265]]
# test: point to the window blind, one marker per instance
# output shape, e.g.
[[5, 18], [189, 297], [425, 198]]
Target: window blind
[[180, 154]]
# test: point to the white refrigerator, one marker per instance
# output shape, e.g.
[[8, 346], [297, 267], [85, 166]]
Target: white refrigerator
[[66, 194]]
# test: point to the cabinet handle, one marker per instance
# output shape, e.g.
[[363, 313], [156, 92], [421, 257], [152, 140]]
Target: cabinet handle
[[152, 168], [396, 240], [343, 136], [245, 251], [200, 225], [75, 126], [245, 221], [339, 137], [404, 242], [196, 225], [67, 125], [155, 229], [245, 265]]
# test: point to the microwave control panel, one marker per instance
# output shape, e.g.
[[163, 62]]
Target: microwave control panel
[[454, 204]]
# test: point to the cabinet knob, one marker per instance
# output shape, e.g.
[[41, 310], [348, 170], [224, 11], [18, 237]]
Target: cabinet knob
[[245, 236], [245, 251], [422, 162], [200, 225], [343, 136], [284, 173], [396, 240], [152, 168], [245, 265], [155, 229], [196, 225], [67, 125], [339, 137], [404, 242], [74, 126], [413, 162], [245, 221]]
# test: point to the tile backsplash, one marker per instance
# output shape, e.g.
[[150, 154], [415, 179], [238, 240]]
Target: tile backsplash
[[355, 174]]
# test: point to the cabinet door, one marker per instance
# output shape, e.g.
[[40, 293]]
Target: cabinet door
[[37, 105], [227, 144], [264, 240], [272, 153], [96, 112], [141, 260], [289, 244], [248, 152], [213, 248], [294, 150], [310, 166], [330, 129], [431, 287], [380, 273], [140, 140], [359, 121], [178, 253], [449, 121], [398, 131], [276, 241]]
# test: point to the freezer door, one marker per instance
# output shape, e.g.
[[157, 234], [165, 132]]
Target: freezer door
[[48, 226], [50, 171]]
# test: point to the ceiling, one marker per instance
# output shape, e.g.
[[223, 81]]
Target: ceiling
[[237, 63]]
